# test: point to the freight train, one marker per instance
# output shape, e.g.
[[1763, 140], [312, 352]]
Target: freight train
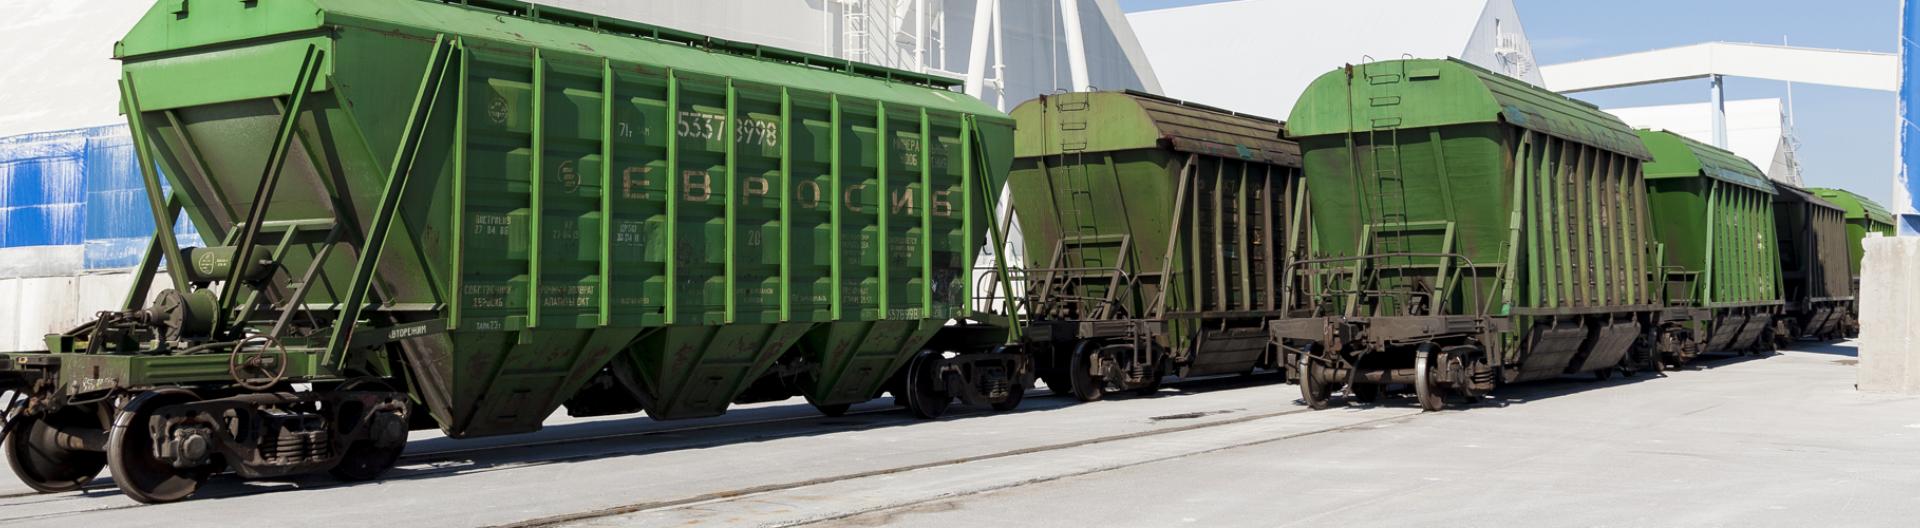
[[1473, 230], [469, 214]]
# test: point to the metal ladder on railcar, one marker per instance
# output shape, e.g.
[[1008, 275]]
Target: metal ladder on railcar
[[1388, 230], [1070, 266], [1077, 256]]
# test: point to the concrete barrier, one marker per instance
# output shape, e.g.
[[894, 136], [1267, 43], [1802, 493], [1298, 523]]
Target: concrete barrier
[[1890, 316], [32, 307]]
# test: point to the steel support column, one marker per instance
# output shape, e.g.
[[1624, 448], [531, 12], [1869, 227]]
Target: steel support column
[[1719, 105]]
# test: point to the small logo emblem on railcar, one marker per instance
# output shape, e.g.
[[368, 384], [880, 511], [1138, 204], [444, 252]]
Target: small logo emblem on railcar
[[497, 110], [569, 179]]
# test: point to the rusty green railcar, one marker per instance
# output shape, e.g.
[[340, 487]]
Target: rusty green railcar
[[1156, 234], [1865, 218], [460, 213], [1817, 283], [1471, 230], [1712, 214]]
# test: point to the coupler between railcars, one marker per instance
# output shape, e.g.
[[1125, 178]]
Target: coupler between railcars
[[1439, 356]]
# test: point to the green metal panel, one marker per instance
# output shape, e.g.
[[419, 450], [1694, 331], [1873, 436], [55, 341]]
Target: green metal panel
[[1541, 197], [583, 189], [1097, 186], [1712, 210]]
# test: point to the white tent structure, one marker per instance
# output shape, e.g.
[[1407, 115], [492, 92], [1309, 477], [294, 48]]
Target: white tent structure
[[1256, 56], [1008, 50], [64, 77], [60, 73], [1757, 130]]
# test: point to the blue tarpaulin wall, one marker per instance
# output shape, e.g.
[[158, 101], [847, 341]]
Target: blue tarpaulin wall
[[78, 188], [1906, 184]]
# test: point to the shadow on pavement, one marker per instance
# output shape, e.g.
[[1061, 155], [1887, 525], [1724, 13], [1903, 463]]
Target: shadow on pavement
[[1526, 392], [587, 441]]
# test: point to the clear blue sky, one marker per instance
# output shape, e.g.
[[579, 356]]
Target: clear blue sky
[[1846, 135]]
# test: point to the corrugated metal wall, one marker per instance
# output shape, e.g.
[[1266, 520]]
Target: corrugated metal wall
[[77, 188]]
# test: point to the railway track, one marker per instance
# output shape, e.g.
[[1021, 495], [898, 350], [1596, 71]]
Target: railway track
[[411, 463], [714, 499], [442, 462]]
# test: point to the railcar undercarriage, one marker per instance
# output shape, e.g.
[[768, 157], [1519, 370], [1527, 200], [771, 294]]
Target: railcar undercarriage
[[252, 406]]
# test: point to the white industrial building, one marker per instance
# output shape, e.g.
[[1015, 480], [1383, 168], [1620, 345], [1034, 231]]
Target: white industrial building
[[1758, 130], [1256, 56], [1044, 50], [62, 75], [1041, 48]]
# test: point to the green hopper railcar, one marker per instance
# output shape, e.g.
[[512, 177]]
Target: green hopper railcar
[[1471, 230], [1156, 234], [1817, 284], [476, 208], [1712, 213]]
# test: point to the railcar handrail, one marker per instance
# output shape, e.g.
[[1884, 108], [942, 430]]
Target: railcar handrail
[[991, 280], [1691, 280], [1027, 304], [1476, 300]]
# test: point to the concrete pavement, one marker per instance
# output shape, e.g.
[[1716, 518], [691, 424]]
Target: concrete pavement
[[1774, 441]]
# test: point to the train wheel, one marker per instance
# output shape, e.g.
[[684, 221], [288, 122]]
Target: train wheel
[[1764, 345], [1015, 394], [44, 465], [1312, 392], [925, 397], [1086, 388], [368, 458], [1152, 386], [1315, 390], [1057, 381], [1017, 384], [1366, 393], [1424, 388], [131, 456], [1668, 341], [833, 411], [1154, 378]]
